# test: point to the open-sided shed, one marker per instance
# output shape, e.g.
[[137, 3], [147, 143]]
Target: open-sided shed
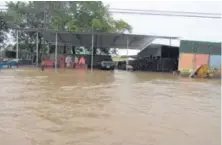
[[94, 39]]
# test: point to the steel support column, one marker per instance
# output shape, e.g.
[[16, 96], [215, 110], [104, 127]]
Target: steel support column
[[56, 39], [37, 49], [17, 47], [92, 51], [127, 47]]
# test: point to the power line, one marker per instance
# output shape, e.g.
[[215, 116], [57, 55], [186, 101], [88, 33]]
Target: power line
[[4, 7], [164, 11], [165, 14]]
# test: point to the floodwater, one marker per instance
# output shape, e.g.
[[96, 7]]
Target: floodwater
[[73, 107]]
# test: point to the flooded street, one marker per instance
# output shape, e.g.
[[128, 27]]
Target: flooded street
[[107, 108]]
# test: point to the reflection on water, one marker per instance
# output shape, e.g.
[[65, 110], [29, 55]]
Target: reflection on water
[[107, 108]]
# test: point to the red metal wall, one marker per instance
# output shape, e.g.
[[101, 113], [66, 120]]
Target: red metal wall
[[190, 61], [201, 59]]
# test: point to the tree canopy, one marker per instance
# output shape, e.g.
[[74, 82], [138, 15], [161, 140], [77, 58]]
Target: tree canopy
[[74, 16], [3, 29]]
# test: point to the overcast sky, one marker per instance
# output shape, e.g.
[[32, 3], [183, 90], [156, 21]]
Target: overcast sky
[[186, 28]]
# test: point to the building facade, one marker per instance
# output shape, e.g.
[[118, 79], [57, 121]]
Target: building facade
[[195, 53]]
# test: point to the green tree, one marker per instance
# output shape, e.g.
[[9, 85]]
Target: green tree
[[75, 16], [3, 29]]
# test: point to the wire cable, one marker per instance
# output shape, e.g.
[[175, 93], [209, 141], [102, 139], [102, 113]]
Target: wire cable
[[161, 13], [165, 14], [164, 11]]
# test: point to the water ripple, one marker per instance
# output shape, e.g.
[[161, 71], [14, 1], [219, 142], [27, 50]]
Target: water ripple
[[128, 108]]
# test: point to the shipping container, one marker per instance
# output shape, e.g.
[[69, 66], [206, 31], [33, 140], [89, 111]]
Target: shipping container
[[186, 61], [215, 61], [201, 59]]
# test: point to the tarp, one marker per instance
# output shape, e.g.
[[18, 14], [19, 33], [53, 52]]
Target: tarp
[[101, 40]]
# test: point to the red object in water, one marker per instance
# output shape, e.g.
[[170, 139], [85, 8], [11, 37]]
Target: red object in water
[[48, 63], [62, 62], [82, 61], [81, 66]]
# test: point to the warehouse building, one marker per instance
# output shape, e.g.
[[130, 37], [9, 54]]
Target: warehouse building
[[195, 53]]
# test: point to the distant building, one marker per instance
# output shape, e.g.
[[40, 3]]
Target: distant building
[[195, 53]]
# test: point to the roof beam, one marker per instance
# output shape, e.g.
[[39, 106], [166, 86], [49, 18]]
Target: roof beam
[[134, 39], [61, 38], [114, 40], [79, 38]]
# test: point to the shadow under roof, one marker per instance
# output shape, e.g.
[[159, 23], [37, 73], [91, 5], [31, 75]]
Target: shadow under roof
[[101, 40]]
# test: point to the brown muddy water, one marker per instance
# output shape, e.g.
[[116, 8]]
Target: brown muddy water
[[107, 108]]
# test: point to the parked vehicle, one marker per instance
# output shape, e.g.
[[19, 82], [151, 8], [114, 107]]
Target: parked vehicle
[[107, 65]]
